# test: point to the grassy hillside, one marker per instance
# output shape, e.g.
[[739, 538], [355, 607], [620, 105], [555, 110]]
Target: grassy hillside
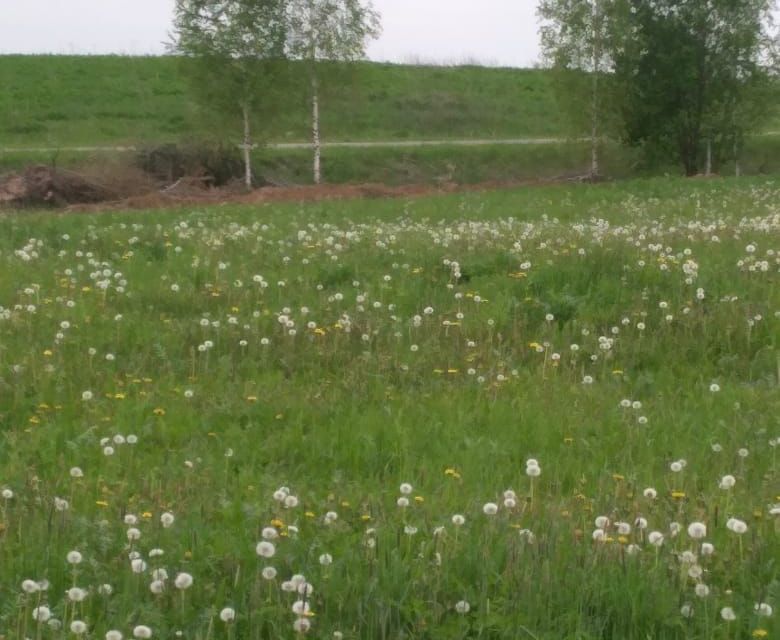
[[62, 101], [77, 100]]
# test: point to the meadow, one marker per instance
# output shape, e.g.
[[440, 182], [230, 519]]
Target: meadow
[[542, 413]]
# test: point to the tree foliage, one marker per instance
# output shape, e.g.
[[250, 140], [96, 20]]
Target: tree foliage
[[684, 76], [575, 38], [693, 75], [327, 30], [233, 54]]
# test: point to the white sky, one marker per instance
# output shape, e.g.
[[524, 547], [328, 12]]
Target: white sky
[[497, 32]]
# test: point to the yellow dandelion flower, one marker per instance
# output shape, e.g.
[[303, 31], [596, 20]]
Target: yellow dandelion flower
[[276, 522], [310, 514], [678, 495], [345, 504], [101, 503], [48, 353], [419, 499], [618, 477], [159, 411], [146, 514], [759, 633], [251, 398], [365, 517]]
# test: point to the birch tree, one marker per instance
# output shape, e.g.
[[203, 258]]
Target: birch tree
[[327, 30], [574, 36], [232, 52]]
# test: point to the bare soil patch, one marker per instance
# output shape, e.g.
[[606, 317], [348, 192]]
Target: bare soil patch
[[106, 188]]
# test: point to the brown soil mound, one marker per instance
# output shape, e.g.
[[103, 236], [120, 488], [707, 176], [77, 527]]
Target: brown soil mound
[[44, 186]]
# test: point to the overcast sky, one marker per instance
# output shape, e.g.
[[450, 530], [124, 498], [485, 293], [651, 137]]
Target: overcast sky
[[498, 32]]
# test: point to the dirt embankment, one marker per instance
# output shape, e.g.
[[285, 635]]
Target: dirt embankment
[[41, 186]]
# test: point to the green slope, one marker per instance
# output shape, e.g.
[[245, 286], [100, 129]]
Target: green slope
[[79, 100]]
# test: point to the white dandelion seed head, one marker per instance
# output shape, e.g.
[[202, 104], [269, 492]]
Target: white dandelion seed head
[[228, 614], [41, 613], [137, 565], [490, 508], [727, 482], [462, 607], [727, 613], [265, 549], [142, 632], [74, 557], [301, 625], [78, 627], [268, 573], [655, 538], [183, 581]]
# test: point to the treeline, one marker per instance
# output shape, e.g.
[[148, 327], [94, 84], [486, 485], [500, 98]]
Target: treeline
[[682, 79]]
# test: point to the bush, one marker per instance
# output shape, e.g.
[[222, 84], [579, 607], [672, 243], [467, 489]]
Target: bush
[[169, 162]]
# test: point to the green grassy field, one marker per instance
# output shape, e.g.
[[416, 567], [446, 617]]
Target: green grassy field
[[177, 387], [113, 100], [65, 101], [101, 100]]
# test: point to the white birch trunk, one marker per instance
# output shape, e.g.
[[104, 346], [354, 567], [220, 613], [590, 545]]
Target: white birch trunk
[[315, 129], [594, 130], [594, 105], [247, 148]]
